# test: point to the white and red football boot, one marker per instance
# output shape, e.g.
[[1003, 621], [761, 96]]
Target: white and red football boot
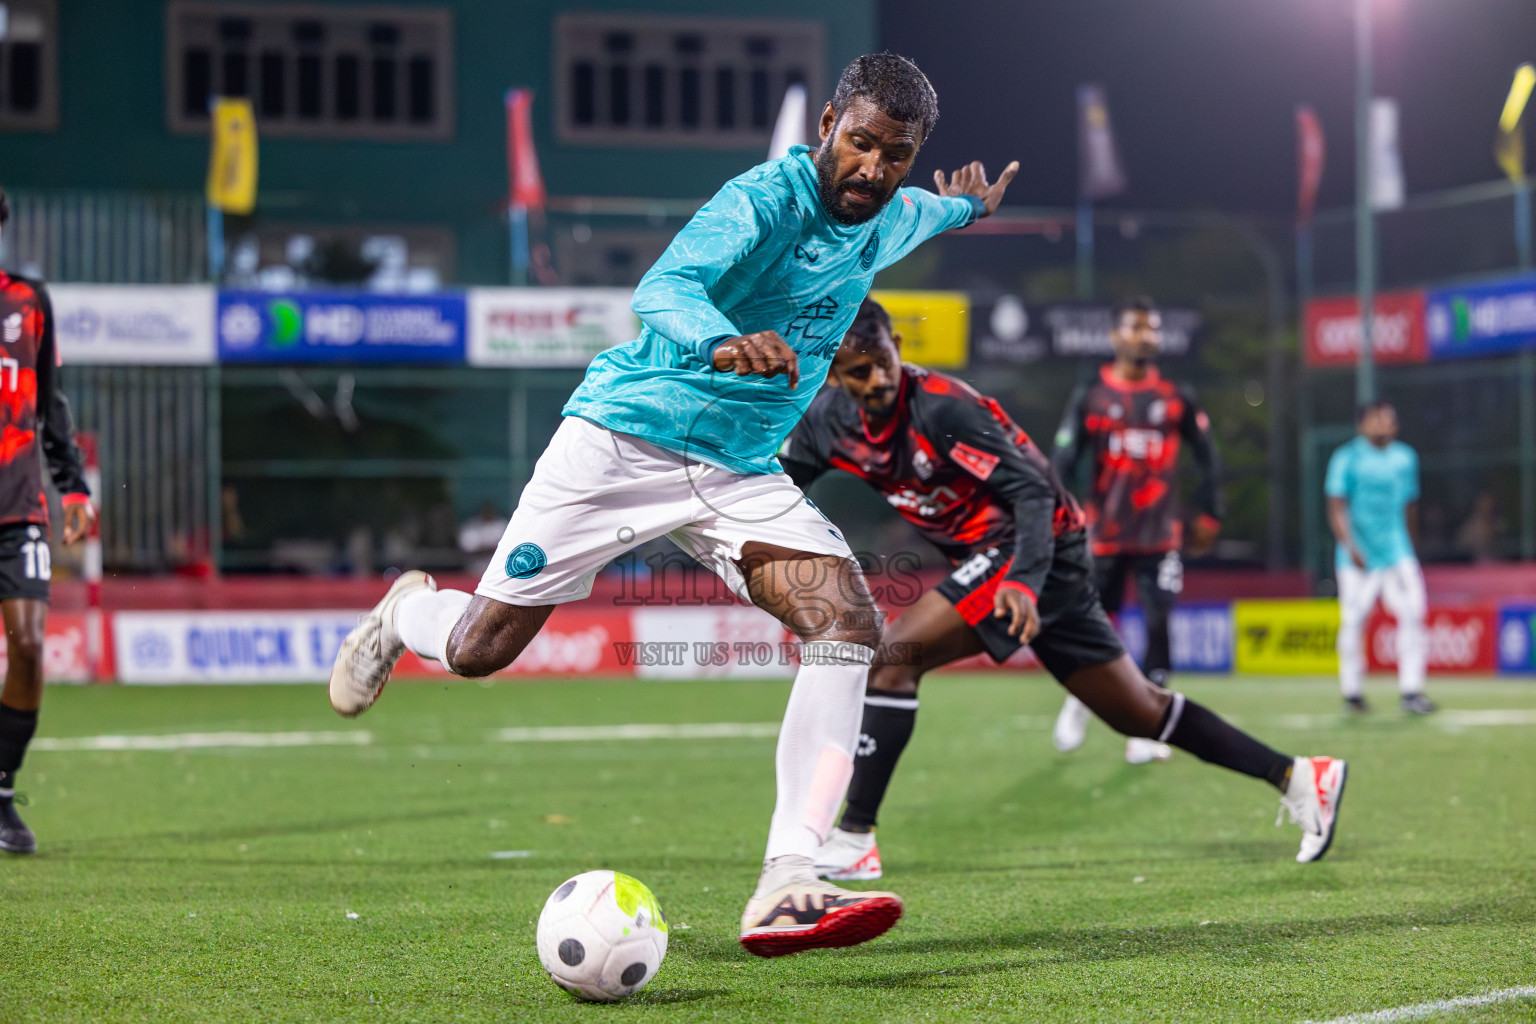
[[1312, 800], [793, 911], [849, 857]]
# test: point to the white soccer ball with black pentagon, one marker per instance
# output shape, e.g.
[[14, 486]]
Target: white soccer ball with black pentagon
[[602, 936]]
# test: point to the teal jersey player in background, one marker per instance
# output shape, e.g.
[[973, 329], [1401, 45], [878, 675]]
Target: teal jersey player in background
[[1373, 495], [762, 255], [674, 435]]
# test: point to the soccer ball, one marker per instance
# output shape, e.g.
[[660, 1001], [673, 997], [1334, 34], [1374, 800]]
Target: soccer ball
[[602, 936]]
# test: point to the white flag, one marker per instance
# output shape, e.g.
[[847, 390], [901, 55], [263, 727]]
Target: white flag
[[789, 130], [1387, 188]]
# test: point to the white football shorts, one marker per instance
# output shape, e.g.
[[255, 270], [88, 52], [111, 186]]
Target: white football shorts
[[596, 494]]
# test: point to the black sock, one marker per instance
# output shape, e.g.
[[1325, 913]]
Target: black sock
[[16, 729], [888, 721], [1203, 733]]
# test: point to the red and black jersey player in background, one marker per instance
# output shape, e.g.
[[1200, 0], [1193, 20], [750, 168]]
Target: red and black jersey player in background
[[35, 426], [1134, 423], [956, 467]]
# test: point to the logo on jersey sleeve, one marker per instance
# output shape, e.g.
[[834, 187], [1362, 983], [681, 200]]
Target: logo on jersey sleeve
[[978, 463], [11, 330], [526, 561]]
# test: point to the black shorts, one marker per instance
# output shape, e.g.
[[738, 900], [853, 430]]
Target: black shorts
[[1074, 631], [26, 563]]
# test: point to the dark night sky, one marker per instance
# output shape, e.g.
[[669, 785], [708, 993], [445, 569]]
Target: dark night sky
[[1202, 93]]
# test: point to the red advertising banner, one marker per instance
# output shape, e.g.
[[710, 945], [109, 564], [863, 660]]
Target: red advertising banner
[[66, 656], [575, 641], [1460, 640], [1333, 329]]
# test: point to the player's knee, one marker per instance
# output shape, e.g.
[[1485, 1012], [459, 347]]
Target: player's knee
[[474, 658], [859, 624], [25, 649]]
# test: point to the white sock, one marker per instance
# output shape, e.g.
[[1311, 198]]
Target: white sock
[[424, 620], [816, 744]]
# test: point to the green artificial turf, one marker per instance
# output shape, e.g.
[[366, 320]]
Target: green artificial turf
[[220, 884]]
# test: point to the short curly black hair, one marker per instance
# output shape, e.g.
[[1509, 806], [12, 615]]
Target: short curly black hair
[[870, 327], [892, 83], [1139, 304]]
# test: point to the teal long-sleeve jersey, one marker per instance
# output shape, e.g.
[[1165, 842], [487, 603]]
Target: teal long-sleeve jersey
[[761, 255]]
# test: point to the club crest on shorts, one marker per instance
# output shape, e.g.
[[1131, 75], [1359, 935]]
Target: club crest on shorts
[[526, 561]]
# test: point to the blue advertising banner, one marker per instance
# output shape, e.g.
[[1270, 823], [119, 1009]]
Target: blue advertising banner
[[340, 327], [1481, 319], [1199, 636], [1517, 638]]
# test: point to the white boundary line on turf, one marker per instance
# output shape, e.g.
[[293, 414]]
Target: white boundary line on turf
[[205, 741], [1419, 1011], [1448, 719], [658, 731]]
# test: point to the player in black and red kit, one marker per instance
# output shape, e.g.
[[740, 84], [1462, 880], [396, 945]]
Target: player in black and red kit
[[1135, 422], [33, 415], [953, 464]]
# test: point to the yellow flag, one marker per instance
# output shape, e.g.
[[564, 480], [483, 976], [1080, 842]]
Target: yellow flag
[[1509, 148], [232, 160]]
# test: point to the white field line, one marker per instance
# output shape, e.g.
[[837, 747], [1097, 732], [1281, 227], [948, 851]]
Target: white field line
[[1419, 1011], [658, 731], [205, 741], [1449, 720]]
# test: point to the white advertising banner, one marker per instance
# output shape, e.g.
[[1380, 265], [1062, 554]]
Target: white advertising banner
[[165, 325], [536, 327], [728, 642], [228, 647]]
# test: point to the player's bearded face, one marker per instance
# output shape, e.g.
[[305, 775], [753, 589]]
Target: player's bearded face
[[864, 158], [1139, 337], [870, 374]]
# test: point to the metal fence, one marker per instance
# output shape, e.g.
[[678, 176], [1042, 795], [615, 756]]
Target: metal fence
[[158, 433], [106, 237]]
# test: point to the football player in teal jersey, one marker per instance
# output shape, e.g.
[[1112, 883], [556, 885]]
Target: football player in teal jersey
[[1373, 509], [675, 434]]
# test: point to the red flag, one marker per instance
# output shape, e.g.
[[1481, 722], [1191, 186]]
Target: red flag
[[1310, 151], [527, 185]]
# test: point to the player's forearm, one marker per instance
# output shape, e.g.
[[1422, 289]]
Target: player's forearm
[[1338, 522], [1036, 545], [675, 304], [66, 464]]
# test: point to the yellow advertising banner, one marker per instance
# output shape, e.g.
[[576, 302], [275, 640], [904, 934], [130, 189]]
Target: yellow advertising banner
[[934, 326], [1285, 637], [232, 159]]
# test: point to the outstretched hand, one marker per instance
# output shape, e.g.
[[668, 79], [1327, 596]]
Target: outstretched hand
[[971, 180], [78, 517], [761, 354], [1020, 610]]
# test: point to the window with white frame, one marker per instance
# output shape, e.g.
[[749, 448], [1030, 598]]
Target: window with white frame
[[334, 71], [29, 80], [654, 80]]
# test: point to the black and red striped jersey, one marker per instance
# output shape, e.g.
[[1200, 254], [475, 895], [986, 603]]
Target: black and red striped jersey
[[1135, 431], [28, 361], [951, 462]]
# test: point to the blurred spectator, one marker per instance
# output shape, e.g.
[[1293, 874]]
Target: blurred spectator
[[1479, 536], [479, 536]]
